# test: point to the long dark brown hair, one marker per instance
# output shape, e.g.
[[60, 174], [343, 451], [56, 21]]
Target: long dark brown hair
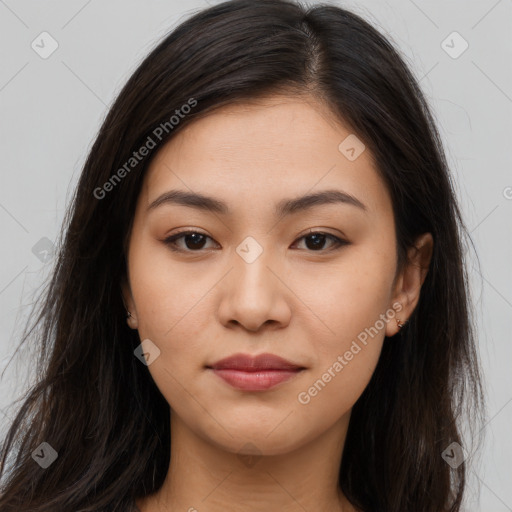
[[93, 401]]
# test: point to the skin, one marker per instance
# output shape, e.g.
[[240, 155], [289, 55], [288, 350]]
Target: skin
[[302, 303]]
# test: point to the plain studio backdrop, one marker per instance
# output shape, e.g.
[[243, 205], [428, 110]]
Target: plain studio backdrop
[[63, 62]]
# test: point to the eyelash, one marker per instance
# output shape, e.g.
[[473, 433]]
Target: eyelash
[[171, 241]]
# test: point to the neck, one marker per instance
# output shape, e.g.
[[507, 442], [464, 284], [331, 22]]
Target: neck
[[207, 477]]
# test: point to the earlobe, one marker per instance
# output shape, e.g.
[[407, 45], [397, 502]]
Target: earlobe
[[131, 320], [408, 285], [131, 316], [397, 322]]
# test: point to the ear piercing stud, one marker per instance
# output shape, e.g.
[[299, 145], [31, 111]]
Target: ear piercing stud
[[399, 323]]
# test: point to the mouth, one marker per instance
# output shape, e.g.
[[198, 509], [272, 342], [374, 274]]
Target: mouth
[[249, 373]]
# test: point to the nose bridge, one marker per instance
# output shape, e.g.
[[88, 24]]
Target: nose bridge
[[252, 262]]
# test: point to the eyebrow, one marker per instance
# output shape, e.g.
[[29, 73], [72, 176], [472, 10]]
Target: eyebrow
[[283, 208]]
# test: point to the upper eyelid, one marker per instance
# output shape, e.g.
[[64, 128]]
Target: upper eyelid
[[312, 231]]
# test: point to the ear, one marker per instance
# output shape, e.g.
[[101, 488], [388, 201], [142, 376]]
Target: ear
[[408, 284], [129, 303]]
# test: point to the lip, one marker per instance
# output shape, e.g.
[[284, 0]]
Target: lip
[[255, 373]]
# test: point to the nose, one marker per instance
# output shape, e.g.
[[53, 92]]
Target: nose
[[255, 294]]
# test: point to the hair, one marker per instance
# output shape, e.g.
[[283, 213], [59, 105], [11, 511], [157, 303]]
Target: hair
[[93, 401]]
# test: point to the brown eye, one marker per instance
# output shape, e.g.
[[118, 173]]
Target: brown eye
[[315, 241], [193, 240]]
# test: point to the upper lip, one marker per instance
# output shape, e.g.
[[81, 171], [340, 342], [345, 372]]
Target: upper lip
[[248, 363]]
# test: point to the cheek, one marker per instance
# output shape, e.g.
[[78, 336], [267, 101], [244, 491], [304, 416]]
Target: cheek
[[166, 293], [348, 296], [353, 310], [169, 304]]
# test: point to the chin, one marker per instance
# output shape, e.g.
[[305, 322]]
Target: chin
[[248, 440]]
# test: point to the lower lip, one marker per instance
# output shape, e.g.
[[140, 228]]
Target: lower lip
[[255, 381]]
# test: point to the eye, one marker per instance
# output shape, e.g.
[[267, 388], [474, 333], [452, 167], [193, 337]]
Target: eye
[[318, 238], [195, 241]]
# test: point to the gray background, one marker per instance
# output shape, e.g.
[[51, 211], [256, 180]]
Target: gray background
[[50, 110]]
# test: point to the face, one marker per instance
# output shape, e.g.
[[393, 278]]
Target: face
[[312, 282]]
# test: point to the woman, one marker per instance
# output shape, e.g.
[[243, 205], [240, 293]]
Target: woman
[[260, 301]]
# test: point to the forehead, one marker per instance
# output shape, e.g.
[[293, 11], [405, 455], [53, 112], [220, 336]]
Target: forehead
[[264, 150]]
